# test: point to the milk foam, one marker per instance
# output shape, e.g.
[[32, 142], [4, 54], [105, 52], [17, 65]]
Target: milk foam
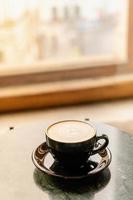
[[70, 131]]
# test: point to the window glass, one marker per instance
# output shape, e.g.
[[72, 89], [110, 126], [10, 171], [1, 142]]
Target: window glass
[[50, 30]]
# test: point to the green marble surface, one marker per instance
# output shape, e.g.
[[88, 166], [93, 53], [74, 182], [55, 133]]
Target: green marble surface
[[20, 180]]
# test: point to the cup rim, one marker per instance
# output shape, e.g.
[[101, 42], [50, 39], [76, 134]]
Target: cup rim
[[46, 132]]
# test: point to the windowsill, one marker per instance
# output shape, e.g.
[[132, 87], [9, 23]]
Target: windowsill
[[36, 96], [65, 64]]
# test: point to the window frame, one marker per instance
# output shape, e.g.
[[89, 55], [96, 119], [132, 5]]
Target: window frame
[[105, 67]]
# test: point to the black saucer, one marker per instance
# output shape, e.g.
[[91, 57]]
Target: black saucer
[[44, 161]]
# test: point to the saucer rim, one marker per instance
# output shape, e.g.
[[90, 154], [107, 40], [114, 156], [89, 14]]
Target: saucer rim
[[51, 173]]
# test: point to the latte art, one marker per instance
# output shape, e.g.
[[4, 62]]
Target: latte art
[[71, 131]]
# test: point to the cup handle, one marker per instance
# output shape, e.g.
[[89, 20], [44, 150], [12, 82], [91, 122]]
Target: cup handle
[[101, 147]]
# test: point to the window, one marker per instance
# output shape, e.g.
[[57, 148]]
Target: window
[[65, 42], [42, 32]]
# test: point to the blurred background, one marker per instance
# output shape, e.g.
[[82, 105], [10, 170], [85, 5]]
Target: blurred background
[[39, 31], [66, 53]]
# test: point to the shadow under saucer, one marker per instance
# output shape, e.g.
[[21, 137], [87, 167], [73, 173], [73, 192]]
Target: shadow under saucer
[[58, 188]]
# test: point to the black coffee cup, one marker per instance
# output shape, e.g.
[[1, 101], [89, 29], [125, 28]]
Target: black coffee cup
[[72, 142]]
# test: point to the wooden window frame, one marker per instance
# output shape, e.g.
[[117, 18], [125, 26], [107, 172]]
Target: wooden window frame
[[63, 85]]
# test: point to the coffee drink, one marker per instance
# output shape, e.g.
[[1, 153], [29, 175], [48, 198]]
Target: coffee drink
[[71, 131]]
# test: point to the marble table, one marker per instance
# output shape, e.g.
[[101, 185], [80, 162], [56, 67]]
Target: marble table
[[19, 180]]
